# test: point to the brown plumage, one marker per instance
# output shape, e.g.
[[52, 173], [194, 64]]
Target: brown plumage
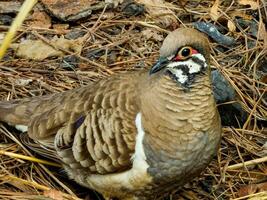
[[135, 134]]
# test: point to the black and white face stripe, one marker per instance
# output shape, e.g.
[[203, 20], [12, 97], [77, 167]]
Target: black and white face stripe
[[185, 71]]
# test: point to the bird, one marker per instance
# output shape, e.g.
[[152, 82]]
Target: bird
[[133, 135]]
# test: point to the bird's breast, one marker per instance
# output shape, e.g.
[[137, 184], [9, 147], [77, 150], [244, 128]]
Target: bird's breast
[[182, 132]]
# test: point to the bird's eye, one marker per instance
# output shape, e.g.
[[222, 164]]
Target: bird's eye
[[184, 53]]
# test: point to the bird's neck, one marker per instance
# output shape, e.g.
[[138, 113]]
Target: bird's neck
[[180, 122]]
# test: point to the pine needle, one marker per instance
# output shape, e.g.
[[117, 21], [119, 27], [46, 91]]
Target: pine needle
[[32, 159]]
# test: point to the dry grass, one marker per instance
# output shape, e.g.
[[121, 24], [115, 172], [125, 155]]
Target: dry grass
[[115, 43]]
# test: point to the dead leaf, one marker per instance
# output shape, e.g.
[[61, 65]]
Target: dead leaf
[[231, 26], [252, 189], [254, 5], [183, 2], [246, 190], [40, 19], [38, 50], [54, 194], [262, 187], [152, 34], [158, 11], [214, 13], [9, 7], [240, 13], [61, 27], [22, 82]]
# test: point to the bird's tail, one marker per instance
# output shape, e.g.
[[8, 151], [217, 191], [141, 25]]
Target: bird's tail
[[18, 111]]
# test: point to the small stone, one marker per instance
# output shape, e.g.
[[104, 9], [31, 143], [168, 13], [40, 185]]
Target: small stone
[[223, 92], [222, 89], [5, 20], [70, 62], [131, 8], [74, 34]]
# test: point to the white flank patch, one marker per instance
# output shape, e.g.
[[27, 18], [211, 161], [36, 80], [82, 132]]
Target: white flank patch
[[136, 177], [21, 128], [139, 157]]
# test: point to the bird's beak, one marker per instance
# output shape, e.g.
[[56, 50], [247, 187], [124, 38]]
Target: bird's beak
[[159, 65]]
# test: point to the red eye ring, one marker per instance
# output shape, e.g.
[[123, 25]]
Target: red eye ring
[[185, 53]]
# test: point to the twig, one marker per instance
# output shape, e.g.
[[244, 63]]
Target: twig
[[247, 163], [259, 195]]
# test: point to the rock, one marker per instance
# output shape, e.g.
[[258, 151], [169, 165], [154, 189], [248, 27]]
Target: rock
[[75, 33], [5, 20], [231, 114], [212, 31], [68, 10], [222, 90], [131, 8], [70, 62]]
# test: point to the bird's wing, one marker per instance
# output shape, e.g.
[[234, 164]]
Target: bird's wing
[[92, 127]]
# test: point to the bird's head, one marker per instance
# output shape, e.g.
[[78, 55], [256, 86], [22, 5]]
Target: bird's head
[[185, 53]]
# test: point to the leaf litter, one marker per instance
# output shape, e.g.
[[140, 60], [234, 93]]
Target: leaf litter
[[109, 42]]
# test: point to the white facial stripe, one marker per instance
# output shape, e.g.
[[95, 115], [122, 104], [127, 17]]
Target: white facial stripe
[[201, 57], [192, 66], [179, 75]]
